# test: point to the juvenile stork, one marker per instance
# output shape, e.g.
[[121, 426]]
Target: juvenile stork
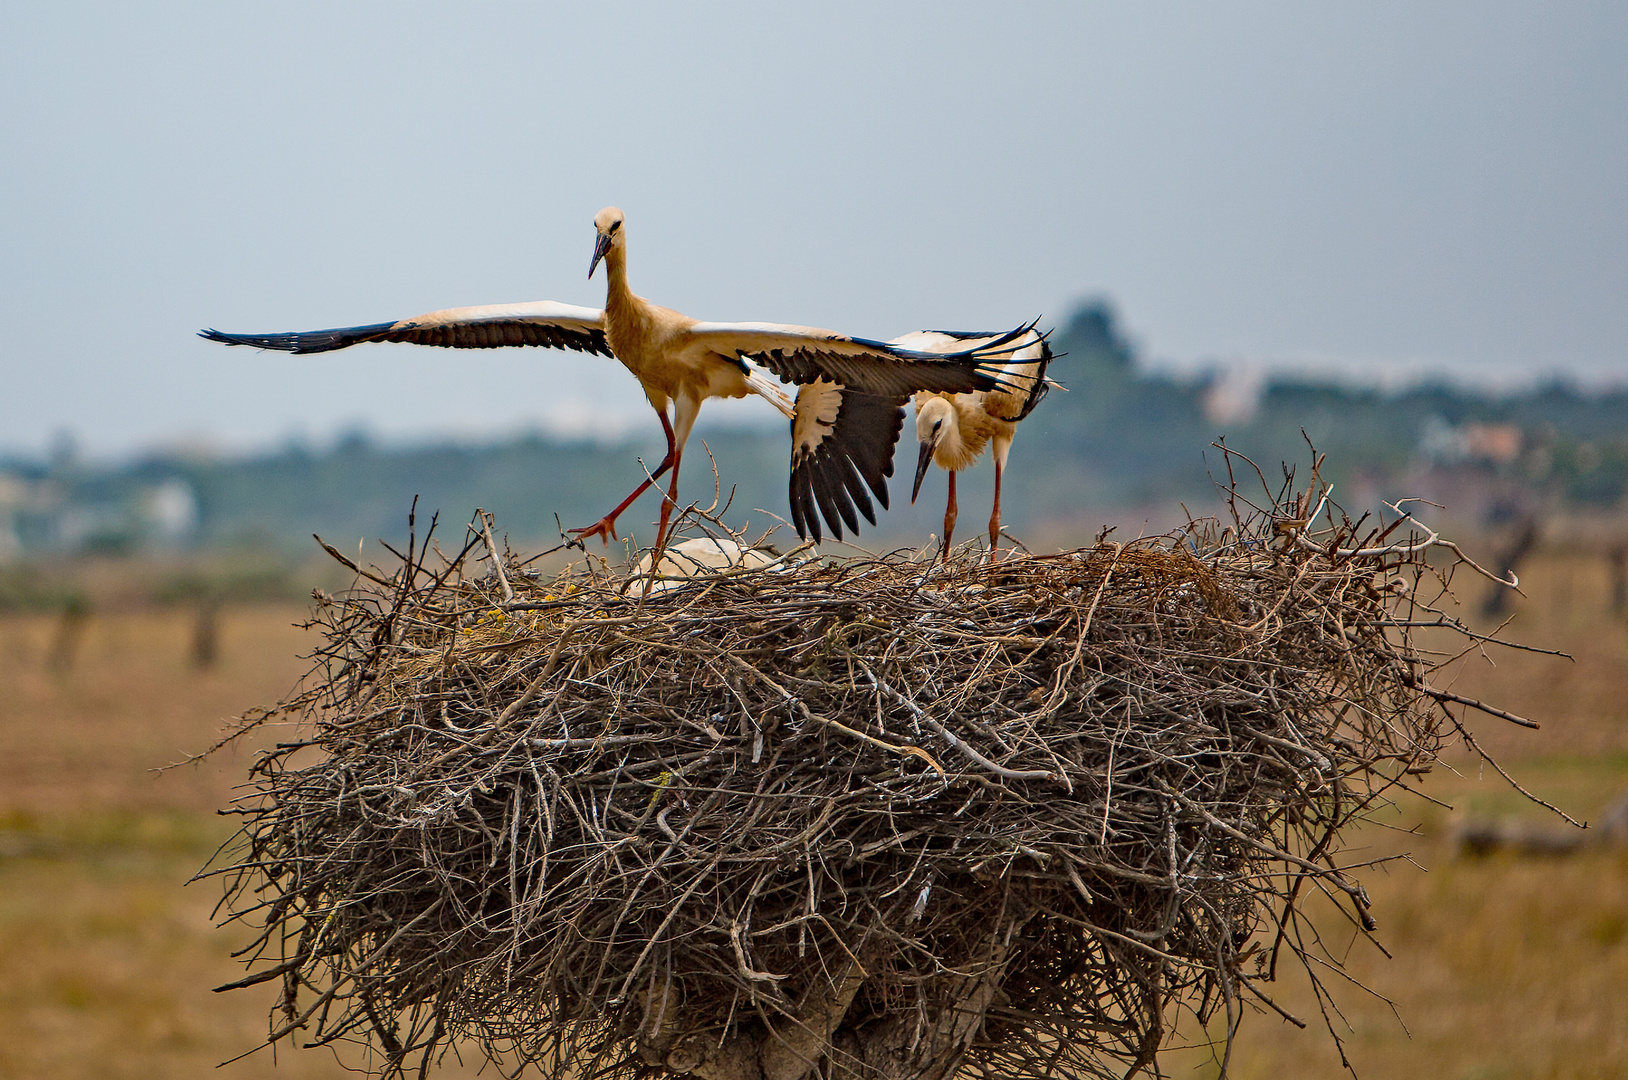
[[953, 428], [847, 420]]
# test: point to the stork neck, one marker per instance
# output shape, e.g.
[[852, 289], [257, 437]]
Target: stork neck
[[957, 449], [617, 291]]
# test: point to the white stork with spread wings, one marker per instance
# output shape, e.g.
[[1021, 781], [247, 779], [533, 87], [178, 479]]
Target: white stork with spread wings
[[847, 437], [953, 428]]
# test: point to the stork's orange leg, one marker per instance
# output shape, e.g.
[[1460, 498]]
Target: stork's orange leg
[[605, 527], [667, 505], [995, 517], [949, 517]]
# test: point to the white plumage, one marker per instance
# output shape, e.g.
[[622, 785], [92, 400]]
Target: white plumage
[[695, 558]]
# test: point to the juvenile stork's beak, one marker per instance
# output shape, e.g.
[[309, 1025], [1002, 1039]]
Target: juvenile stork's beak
[[922, 461], [599, 253]]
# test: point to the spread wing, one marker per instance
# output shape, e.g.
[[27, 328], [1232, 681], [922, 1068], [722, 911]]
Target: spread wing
[[842, 442], [802, 354], [561, 326]]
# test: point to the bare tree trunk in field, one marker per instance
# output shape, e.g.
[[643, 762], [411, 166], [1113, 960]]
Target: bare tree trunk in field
[[1509, 560], [206, 635], [1618, 558], [70, 633]]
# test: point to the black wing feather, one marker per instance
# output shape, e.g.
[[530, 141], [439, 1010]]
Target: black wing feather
[[307, 341], [894, 379], [856, 489], [897, 371], [826, 495], [803, 516], [485, 334], [1040, 387], [497, 334], [856, 453], [834, 480]]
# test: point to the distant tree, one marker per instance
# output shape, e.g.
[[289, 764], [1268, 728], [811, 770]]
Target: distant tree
[[1092, 338]]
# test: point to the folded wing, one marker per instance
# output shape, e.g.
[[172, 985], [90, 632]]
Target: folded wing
[[1022, 371]]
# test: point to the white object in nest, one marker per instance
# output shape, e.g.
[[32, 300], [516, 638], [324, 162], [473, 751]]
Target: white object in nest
[[699, 557]]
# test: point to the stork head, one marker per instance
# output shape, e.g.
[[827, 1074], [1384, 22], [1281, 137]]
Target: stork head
[[608, 224], [933, 413]]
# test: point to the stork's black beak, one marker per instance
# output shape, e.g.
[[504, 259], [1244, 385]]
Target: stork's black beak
[[925, 459], [599, 253]]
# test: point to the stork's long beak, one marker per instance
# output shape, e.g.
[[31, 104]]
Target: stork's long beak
[[925, 459], [599, 253]]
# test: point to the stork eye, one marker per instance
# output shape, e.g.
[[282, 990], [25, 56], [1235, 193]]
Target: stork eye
[[615, 225], [937, 424]]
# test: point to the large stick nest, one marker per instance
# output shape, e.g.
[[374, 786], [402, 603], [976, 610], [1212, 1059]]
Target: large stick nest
[[871, 817]]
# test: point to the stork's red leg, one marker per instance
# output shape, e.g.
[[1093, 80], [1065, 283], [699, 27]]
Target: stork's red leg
[[605, 527], [995, 516], [667, 505], [949, 517]]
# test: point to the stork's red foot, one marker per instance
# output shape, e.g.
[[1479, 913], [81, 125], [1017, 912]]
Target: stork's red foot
[[604, 529]]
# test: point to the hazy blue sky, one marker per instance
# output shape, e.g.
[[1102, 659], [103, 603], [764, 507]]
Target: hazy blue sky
[[1378, 186]]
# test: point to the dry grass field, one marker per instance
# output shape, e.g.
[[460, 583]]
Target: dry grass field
[[1505, 966]]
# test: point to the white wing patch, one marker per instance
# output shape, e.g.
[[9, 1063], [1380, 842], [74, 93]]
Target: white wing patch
[[935, 341], [772, 334], [766, 386], [815, 415], [545, 311]]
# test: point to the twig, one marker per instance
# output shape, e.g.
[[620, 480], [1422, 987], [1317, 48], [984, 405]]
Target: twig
[[1481, 706], [497, 556], [944, 733]]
